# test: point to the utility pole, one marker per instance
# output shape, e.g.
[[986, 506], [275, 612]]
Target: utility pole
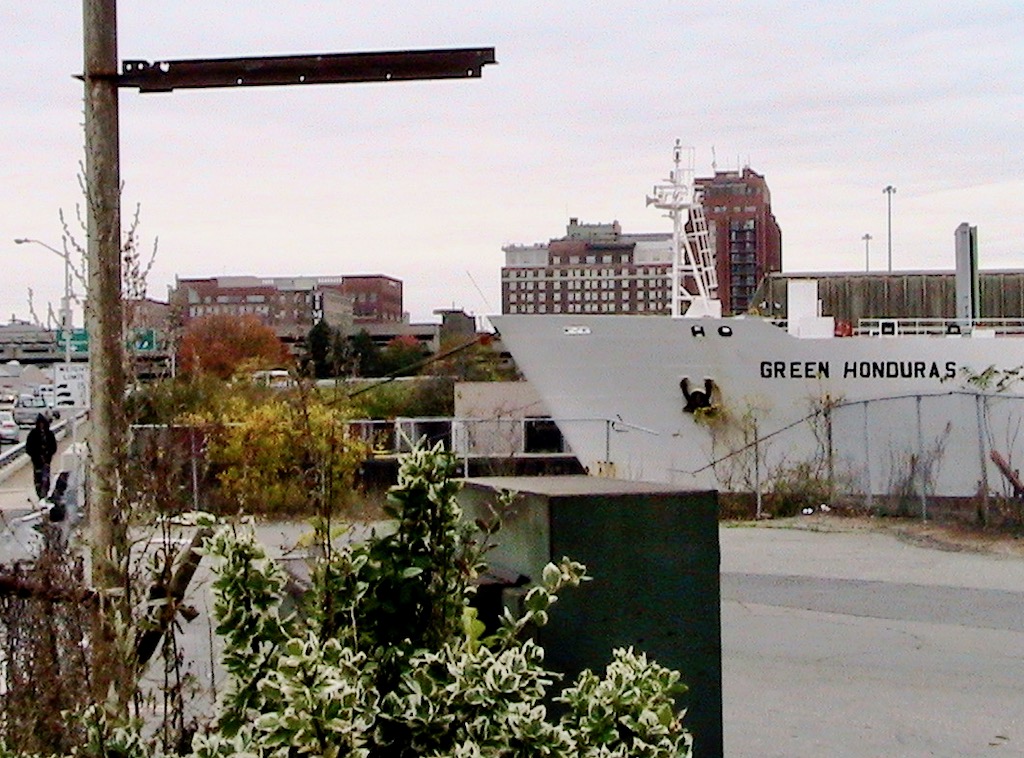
[[867, 253], [890, 191], [104, 307], [103, 312]]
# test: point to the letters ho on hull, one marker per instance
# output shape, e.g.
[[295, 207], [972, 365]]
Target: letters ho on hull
[[623, 391]]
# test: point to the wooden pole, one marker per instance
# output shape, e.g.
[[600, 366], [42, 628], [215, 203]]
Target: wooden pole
[[103, 303]]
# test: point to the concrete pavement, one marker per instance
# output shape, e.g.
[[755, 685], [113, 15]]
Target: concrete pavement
[[857, 644], [18, 541]]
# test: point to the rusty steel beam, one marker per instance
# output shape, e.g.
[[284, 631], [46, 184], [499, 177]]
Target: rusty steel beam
[[333, 68]]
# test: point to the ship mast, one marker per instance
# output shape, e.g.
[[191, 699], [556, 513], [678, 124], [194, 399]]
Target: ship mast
[[694, 278]]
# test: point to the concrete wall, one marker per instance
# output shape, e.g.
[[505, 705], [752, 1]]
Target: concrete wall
[[506, 404]]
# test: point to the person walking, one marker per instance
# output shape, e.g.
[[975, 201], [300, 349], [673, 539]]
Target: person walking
[[41, 446]]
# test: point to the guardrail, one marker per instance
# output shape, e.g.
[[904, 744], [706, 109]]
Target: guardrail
[[11, 455]]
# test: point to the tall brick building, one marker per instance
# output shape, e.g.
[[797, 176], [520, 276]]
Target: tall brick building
[[375, 299], [745, 236], [596, 268]]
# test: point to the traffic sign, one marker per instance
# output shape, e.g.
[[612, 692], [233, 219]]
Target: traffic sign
[[79, 340], [71, 385], [144, 340]]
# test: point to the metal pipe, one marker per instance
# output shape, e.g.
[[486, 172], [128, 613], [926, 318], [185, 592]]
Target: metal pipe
[[920, 463], [758, 513], [867, 459], [979, 411]]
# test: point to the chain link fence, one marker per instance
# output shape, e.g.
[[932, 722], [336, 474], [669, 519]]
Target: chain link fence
[[927, 455]]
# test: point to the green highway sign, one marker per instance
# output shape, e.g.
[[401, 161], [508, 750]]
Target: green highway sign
[[142, 341], [79, 340]]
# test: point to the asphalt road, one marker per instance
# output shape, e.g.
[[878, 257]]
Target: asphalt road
[[859, 645]]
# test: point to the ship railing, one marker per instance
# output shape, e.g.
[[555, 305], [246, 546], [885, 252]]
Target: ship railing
[[947, 327]]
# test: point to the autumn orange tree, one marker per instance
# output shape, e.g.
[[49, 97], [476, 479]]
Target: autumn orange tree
[[221, 344]]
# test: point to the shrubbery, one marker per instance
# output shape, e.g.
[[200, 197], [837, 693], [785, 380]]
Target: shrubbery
[[388, 658], [279, 456]]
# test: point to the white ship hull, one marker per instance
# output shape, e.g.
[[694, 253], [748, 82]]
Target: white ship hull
[[613, 385]]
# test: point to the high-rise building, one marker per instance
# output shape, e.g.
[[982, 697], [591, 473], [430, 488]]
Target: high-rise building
[[744, 235], [375, 299], [596, 268]]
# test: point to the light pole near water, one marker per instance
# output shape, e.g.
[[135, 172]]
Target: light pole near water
[[867, 254], [890, 191]]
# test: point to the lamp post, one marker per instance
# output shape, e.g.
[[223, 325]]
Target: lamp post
[[65, 310], [889, 191], [867, 254]]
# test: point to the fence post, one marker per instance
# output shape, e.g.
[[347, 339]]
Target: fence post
[[979, 402], [831, 451], [757, 472], [867, 458], [920, 463]]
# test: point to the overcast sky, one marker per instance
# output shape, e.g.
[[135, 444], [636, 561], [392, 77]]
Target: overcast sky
[[425, 181]]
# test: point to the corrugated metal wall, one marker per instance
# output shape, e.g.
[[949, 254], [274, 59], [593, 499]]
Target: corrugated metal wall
[[850, 297]]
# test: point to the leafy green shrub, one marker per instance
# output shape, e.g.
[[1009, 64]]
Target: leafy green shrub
[[421, 396], [390, 660], [795, 488]]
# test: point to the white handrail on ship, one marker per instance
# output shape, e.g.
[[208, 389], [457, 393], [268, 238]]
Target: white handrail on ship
[[1001, 327]]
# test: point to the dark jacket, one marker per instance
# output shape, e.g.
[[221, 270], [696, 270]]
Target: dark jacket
[[41, 445]]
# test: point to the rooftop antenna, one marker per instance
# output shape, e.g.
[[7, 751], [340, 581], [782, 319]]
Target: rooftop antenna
[[714, 161]]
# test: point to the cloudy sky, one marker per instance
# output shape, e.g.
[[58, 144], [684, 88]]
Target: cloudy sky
[[425, 181]]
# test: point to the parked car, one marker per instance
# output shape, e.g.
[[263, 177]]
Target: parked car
[[9, 431], [27, 407], [7, 400]]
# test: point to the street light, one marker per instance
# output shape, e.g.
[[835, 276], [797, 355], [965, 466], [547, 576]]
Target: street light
[[65, 311], [890, 191], [67, 324], [867, 255]]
